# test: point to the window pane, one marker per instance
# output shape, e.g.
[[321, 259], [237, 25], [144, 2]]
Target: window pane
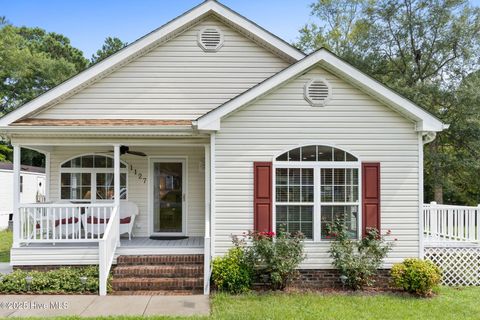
[[77, 162], [339, 176], [309, 153], [294, 176], [282, 194], [307, 177], [351, 157], [327, 193], [339, 155], [109, 162], [123, 179], [283, 157], [294, 194], [65, 193], [339, 194], [67, 164], [307, 194], [100, 161], [294, 219], [65, 177], [282, 176], [346, 214], [294, 155], [87, 162], [325, 153], [327, 176]]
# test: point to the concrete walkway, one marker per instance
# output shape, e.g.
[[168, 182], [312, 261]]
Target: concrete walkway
[[95, 306]]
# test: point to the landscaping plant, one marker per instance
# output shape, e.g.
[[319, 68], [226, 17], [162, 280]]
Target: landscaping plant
[[62, 280], [357, 260], [231, 273], [416, 276], [275, 257]]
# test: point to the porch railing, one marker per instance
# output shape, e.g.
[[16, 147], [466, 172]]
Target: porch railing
[[446, 223], [74, 223], [106, 249], [65, 222]]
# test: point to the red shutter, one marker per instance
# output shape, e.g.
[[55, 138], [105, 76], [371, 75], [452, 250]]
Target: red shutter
[[262, 202], [370, 196]]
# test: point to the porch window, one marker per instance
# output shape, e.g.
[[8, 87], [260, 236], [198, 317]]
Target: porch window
[[315, 186], [91, 178]]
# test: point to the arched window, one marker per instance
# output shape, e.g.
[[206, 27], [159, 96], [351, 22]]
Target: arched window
[[91, 178], [314, 186]]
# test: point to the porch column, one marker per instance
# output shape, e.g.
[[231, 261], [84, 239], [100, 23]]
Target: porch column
[[207, 242], [47, 177], [116, 183], [16, 195]]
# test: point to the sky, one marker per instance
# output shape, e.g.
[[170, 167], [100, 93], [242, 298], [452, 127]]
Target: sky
[[88, 22]]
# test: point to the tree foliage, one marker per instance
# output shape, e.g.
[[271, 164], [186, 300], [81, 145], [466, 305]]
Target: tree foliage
[[110, 46], [428, 51], [31, 62]]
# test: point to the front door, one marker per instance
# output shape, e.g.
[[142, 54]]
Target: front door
[[168, 197]]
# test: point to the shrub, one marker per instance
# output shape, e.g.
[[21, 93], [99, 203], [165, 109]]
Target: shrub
[[62, 280], [275, 257], [357, 260], [416, 276], [230, 273]]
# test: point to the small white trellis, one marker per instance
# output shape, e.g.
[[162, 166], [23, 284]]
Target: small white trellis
[[460, 265]]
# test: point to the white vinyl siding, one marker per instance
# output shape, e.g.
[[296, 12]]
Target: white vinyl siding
[[176, 80], [352, 121], [138, 189]]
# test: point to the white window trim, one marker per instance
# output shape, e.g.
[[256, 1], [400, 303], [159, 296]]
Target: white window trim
[[317, 166], [93, 178]]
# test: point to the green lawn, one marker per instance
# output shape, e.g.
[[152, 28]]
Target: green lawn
[[450, 304], [5, 245]]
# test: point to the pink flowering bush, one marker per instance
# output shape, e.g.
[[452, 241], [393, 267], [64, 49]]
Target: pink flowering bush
[[357, 260]]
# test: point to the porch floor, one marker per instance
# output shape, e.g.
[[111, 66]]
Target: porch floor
[[136, 246]]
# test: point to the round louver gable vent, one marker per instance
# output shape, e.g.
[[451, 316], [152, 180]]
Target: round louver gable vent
[[210, 39], [317, 92]]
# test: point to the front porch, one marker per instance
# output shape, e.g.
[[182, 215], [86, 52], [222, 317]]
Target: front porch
[[98, 194]]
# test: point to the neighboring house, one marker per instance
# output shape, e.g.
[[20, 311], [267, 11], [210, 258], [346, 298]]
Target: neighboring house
[[212, 126], [32, 189]]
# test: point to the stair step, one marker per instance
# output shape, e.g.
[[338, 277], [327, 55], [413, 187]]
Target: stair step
[[159, 271], [160, 259], [158, 292], [157, 284]]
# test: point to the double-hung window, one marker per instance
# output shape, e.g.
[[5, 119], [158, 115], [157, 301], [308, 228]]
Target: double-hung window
[[314, 187], [91, 178]]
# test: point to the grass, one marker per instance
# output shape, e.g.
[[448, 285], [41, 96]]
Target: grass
[[451, 303], [5, 245]]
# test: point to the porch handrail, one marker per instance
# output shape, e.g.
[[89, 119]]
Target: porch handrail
[[62, 222], [446, 223], [106, 249]]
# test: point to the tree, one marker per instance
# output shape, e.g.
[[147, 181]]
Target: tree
[[33, 61], [425, 50], [110, 46]]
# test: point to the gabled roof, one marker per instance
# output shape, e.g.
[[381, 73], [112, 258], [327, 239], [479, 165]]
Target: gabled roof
[[149, 41], [325, 59]]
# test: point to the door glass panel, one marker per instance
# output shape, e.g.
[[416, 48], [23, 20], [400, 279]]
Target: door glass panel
[[168, 193]]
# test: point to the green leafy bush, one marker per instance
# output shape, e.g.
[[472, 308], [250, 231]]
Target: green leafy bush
[[357, 260], [62, 280], [275, 257], [416, 276], [230, 273]]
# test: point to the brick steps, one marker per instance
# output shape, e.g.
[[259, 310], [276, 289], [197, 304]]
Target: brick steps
[[158, 271], [157, 284], [158, 275]]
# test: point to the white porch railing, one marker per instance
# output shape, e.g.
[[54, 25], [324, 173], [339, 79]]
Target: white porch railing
[[59, 223], [446, 223], [106, 249], [73, 223]]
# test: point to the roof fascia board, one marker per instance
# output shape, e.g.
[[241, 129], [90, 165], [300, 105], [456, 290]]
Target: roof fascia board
[[424, 120], [143, 43]]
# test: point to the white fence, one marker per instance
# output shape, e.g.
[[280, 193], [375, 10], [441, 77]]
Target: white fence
[[447, 223]]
